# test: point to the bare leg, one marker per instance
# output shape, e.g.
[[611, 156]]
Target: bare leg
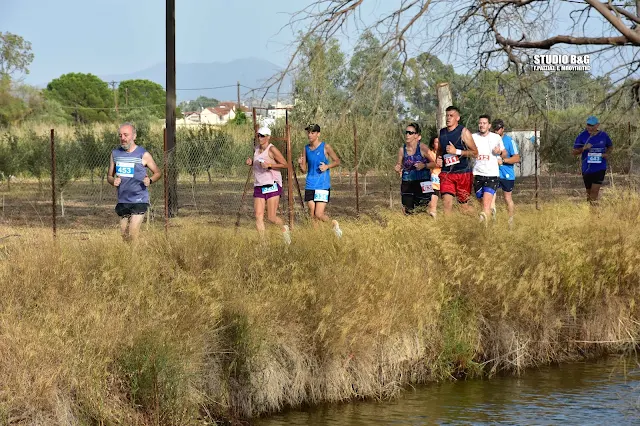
[[467, 208], [272, 211], [124, 224], [258, 207], [511, 208], [319, 212], [592, 195], [134, 225], [433, 205], [447, 203], [487, 198], [312, 212]]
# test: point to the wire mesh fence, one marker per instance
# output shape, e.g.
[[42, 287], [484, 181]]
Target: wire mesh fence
[[214, 184]]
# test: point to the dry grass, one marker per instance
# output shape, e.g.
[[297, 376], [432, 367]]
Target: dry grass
[[215, 324]]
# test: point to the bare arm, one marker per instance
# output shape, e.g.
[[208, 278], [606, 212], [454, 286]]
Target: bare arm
[[335, 161], [607, 152], [429, 155], [302, 161], [276, 155], [398, 167], [514, 159], [112, 171], [472, 152], [147, 160]]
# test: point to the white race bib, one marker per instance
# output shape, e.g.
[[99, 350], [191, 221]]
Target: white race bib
[[450, 159], [594, 158], [125, 169], [427, 187], [270, 189], [321, 195]]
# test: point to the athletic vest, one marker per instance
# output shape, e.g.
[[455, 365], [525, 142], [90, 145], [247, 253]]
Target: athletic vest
[[315, 178], [459, 164], [132, 173], [409, 172]]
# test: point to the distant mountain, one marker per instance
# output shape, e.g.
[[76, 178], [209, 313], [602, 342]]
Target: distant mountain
[[251, 72]]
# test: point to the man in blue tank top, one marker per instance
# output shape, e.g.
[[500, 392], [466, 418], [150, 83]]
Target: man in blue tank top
[[507, 169], [594, 147], [315, 162], [127, 172]]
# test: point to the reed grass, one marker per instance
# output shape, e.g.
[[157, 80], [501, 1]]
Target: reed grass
[[210, 324]]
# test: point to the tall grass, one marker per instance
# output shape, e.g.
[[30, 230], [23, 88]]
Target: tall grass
[[211, 324]]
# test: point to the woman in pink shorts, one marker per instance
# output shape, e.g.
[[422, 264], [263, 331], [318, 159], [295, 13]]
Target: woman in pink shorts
[[267, 185]]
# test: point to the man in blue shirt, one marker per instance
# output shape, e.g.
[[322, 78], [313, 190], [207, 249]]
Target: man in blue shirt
[[594, 147], [510, 156]]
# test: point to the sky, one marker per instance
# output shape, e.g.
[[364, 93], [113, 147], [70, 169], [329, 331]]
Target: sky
[[107, 37], [123, 36]]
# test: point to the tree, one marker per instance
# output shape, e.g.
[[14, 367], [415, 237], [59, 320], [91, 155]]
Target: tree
[[418, 84], [12, 108], [491, 34], [15, 54], [198, 104], [369, 82], [86, 97], [143, 94], [15, 57], [319, 83]]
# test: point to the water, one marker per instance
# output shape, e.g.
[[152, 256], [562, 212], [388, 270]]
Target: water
[[586, 393]]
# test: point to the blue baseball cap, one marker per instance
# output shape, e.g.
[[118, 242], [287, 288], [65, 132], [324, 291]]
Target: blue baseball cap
[[592, 120]]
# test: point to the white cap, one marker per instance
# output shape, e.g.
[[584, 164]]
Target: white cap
[[264, 131]]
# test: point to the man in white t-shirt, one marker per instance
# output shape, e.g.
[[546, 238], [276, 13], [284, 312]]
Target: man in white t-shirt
[[486, 171]]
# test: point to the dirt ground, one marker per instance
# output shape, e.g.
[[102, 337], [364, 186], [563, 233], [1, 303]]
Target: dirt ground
[[90, 205]]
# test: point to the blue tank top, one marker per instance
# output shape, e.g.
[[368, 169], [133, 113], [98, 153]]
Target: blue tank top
[[455, 137], [409, 172], [131, 171], [315, 178]]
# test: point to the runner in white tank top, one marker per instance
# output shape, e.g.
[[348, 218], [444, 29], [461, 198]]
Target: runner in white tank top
[[486, 171]]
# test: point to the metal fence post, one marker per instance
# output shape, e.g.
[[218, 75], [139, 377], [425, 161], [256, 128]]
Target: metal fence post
[[535, 149], [165, 183], [355, 162], [53, 183], [289, 168]]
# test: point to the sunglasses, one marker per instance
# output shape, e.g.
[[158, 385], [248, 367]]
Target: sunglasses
[[409, 132], [261, 135]]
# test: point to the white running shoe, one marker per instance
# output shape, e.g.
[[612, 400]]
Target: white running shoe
[[483, 217], [493, 213], [336, 229], [286, 234], [510, 222]]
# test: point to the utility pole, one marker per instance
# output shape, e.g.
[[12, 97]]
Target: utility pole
[[170, 110], [115, 95], [238, 96]]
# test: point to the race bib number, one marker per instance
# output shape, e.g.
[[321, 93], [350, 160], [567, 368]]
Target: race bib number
[[321, 195], [125, 169], [483, 157], [450, 159], [270, 189], [427, 187], [594, 158]]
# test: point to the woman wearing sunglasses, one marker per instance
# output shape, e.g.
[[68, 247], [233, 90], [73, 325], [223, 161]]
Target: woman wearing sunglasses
[[267, 185], [414, 159]]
